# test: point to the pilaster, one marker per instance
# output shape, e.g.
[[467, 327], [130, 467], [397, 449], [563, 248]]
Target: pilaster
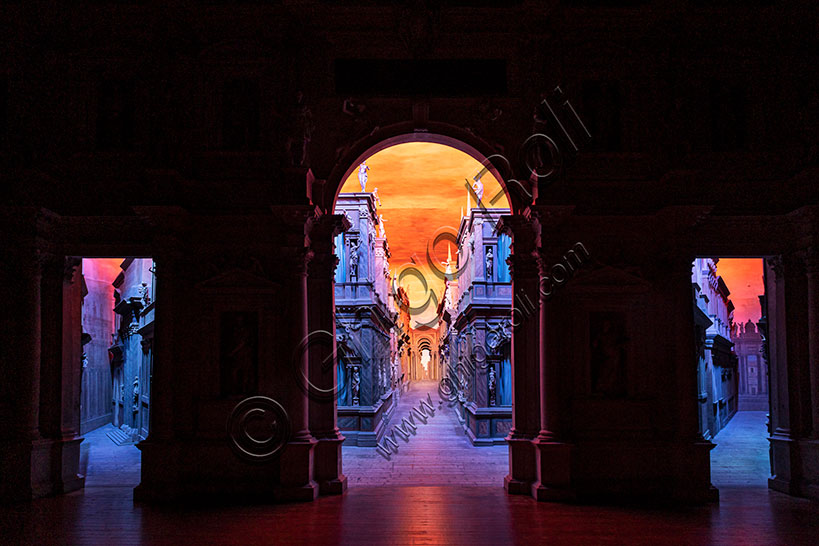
[[523, 264], [322, 385]]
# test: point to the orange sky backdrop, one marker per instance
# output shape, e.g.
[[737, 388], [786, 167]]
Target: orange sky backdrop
[[422, 190], [102, 269], [743, 276]]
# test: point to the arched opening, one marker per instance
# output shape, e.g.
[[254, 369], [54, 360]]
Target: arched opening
[[422, 305]]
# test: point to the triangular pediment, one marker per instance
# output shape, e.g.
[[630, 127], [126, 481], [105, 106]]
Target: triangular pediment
[[606, 275], [238, 280]]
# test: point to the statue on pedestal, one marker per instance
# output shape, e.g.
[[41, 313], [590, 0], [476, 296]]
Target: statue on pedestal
[[381, 232], [375, 197], [362, 176], [300, 132], [478, 187]]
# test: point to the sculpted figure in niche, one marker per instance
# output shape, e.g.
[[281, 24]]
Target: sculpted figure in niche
[[608, 354], [301, 133], [239, 352], [490, 262], [355, 385], [354, 244], [492, 389]]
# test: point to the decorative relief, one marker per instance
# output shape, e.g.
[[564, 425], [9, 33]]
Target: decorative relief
[[777, 265], [300, 132], [417, 24]]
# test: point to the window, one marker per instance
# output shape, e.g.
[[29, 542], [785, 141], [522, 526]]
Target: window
[[240, 115], [752, 359], [115, 115]]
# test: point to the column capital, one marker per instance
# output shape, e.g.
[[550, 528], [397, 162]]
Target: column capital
[[323, 228], [322, 265], [70, 265], [812, 260]]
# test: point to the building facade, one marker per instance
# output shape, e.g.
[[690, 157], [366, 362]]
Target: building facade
[[717, 375], [119, 318], [752, 367], [368, 381], [476, 337]]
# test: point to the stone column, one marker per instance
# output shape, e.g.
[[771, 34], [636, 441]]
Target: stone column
[[693, 460], [812, 272], [553, 452], [523, 264], [161, 450], [20, 335], [322, 387], [296, 462], [68, 374]]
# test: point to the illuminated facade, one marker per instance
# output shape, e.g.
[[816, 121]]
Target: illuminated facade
[[476, 338], [116, 383], [752, 367], [716, 362], [368, 381]]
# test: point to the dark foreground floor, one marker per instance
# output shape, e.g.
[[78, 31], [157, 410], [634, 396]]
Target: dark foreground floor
[[104, 513]]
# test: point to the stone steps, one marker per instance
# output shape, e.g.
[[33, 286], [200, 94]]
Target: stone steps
[[119, 437]]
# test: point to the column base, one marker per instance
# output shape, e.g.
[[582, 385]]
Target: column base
[[522, 470], [553, 461], [327, 466], [209, 471], [38, 468], [296, 471]]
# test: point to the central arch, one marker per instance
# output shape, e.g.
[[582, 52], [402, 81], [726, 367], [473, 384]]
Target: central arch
[[323, 305]]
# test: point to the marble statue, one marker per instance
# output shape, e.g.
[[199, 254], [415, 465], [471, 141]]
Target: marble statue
[[490, 259], [136, 394], [355, 385], [381, 232], [144, 294], [354, 244], [300, 133], [478, 187], [375, 196], [362, 176]]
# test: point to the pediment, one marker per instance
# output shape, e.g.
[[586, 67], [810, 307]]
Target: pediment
[[238, 280], [606, 275]]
